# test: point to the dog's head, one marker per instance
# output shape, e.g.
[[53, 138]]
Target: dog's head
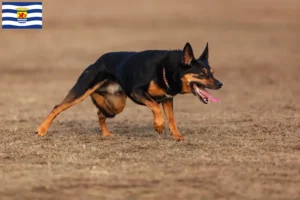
[[196, 75]]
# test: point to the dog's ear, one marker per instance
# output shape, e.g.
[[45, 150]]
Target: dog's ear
[[188, 54], [205, 54]]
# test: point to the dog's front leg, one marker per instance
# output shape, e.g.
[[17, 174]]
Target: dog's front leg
[[168, 109], [155, 108]]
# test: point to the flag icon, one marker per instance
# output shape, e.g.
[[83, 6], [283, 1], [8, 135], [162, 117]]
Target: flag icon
[[22, 15]]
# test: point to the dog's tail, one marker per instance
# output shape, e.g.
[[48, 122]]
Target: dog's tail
[[89, 78]]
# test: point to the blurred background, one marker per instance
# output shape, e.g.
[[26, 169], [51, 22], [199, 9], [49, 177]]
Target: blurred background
[[253, 46], [251, 42], [254, 50]]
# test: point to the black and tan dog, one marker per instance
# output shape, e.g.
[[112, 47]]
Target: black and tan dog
[[147, 78]]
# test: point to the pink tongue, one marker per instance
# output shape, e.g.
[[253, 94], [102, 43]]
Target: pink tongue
[[211, 98]]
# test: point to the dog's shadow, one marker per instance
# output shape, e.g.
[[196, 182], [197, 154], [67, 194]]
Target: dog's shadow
[[84, 127], [123, 129]]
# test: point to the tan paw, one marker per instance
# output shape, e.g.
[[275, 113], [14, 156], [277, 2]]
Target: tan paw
[[107, 134], [178, 137], [41, 131], [159, 126]]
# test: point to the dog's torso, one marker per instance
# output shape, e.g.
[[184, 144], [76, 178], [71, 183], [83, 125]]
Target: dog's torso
[[139, 71]]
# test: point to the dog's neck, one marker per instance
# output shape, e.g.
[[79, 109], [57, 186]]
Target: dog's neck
[[170, 73]]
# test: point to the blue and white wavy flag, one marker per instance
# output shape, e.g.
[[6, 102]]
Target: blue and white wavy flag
[[22, 15]]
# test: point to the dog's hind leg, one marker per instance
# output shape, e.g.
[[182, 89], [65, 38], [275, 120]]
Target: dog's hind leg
[[109, 105], [145, 99], [104, 129], [70, 100]]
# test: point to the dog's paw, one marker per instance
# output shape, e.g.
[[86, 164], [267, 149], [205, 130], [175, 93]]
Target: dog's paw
[[107, 134], [41, 131], [178, 137], [159, 126]]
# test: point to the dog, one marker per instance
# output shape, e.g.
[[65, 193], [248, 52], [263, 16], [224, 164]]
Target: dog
[[148, 78]]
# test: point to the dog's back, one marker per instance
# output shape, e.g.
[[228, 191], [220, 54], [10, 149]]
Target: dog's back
[[103, 68]]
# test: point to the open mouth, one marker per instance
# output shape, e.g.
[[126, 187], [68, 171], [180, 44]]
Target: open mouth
[[202, 94]]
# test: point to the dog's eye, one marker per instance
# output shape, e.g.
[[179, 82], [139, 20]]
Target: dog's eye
[[203, 74]]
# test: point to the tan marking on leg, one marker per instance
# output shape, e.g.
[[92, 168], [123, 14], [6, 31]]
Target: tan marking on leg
[[101, 102], [111, 104], [104, 129], [116, 102], [65, 104], [168, 109], [158, 117], [155, 90]]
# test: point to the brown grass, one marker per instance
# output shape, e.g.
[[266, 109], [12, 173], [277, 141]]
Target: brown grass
[[246, 147]]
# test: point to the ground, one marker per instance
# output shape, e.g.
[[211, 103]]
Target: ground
[[246, 147]]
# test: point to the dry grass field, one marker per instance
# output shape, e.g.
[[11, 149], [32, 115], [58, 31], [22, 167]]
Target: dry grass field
[[246, 147]]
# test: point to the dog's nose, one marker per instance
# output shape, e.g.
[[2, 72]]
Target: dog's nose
[[219, 85]]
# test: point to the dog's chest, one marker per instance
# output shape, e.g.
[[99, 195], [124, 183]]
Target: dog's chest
[[159, 99], [157, 93]]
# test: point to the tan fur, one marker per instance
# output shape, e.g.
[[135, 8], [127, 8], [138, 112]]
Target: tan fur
[[207, 82], [112, 104], [155, 90], [104, 129], [100, 101], [188, 78], [116, 102], [155, 108], [168, 109]]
